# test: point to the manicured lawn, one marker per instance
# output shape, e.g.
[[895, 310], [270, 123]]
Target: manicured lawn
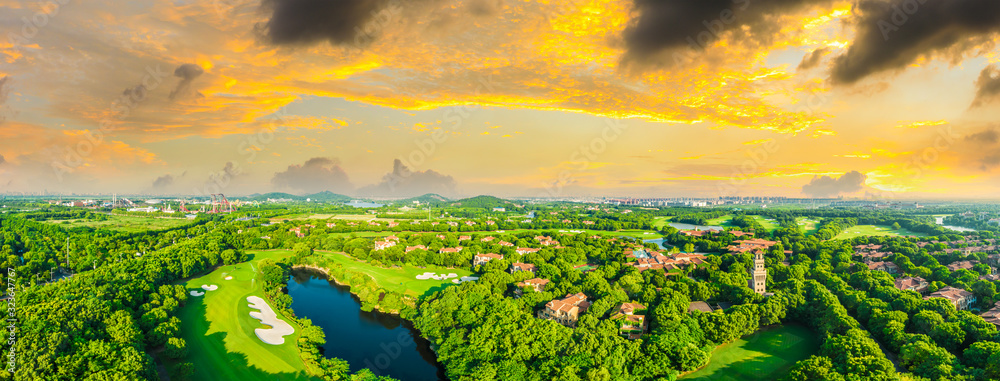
[[768, 223], [402, 280], [808, 225], [220, 334], [765, 355], [128, 224], [721, 221], [660, 222], [872, 230]]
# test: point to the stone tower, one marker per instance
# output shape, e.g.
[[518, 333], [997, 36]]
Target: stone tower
[[758, 279]]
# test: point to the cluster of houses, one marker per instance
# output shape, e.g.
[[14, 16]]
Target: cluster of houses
[[966, 247], [750, 245], [644, 260]]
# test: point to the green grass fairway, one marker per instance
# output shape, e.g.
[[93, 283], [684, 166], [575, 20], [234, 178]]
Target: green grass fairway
[[220, 334], [398, 279], [721, 221], [765, 355], [660, 222], [128, 224], [808, 225], [872, 230], [767, 222]]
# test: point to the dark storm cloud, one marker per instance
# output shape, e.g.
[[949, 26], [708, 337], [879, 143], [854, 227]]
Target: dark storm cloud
[[340, 22], [987, 86], [484, 7], [187, 73], [163, 181], [811, 60], [316, 175], [404, 182], [4, 89], [668, 24], [826, 186], [987, 136], [891, 34], [2, 160]]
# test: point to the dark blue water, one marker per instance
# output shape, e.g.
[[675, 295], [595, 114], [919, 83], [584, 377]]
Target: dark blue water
[[386, 344]]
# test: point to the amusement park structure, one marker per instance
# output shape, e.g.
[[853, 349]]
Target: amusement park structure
[[220, 204]]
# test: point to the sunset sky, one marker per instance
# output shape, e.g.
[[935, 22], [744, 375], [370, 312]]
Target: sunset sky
[[651, 98]]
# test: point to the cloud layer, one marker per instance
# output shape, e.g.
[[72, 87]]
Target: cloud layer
[[403, 182], [987, 86], [315, 175], [891, 34], [826, 186], [187, 73]]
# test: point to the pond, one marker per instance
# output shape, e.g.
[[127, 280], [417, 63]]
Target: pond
[[940, 221], [363, 204], [386, 344], [680, 226]]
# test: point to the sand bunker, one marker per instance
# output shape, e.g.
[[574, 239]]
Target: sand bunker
[[465, 279], [434, 276], [209, 288], [197, 293], [279, 328], [229, 278]]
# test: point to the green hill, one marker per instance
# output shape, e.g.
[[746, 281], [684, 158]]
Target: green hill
[[485, 202]]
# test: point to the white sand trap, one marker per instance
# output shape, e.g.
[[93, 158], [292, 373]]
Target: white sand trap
[[197, 293], [434, 276], [278, 328], [229, 278], [465, 279], [209, 288]]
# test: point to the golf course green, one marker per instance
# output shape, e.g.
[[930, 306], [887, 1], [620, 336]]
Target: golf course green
[[402, 280], [767, 354], [220, 334]]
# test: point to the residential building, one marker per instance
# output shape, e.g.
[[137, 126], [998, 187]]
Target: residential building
[[382, 245], [911, 283], [536, 284], [631, 318], [888, 267], [961, 299], [450, 250], [482, 259], [565, 311], [411, 248], [750, 245], [526, 250], [961, 265], [993, 315], [515, 267]]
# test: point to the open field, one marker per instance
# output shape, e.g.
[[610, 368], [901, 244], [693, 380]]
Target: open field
[[872, 230], [402, 280], [721, 221], [768, 223], [765, 355], [219, 330], [808, 225], [660, 222], [128, 224]]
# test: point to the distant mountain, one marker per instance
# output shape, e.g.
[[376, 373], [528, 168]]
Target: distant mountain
[[328, 196], [275, 195], [430, 198], [325, 196], [485, 202]]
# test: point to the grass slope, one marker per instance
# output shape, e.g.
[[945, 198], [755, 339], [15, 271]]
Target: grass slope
[[872, 230], [127, 224], [808, 225], [398, 279], [220, 334], [765, 355]]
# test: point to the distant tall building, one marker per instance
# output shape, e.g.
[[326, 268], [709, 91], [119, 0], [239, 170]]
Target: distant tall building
[[758, 280]]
